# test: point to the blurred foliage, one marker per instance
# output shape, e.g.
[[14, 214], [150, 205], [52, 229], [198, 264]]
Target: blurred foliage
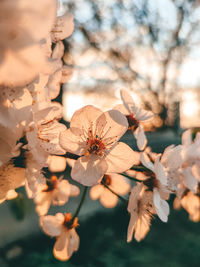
[[18, 206], [103, 243], [134, 44]]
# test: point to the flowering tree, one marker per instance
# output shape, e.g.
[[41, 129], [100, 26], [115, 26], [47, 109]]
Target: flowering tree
[[35, 144]]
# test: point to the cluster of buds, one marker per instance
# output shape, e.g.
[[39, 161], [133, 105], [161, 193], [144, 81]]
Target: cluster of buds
[[33, 140]]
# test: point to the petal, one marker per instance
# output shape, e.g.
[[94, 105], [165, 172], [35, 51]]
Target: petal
[[63, 28], [52, 225], [88, 170], [187, 138], [96, 191], [131, 224], [43, 201], [121, 158], [119, 184], [142, 227], [84, 118], [141, 114], [108, 199], [161, 206], [171, 157], [61, 194], [160, 172], [127, 100], [146, 161], [11, 194], [122, 109], [74, 190], [66, 244], [72, 143], [57, 163], [140, 137], [111, 125], [189, 180]]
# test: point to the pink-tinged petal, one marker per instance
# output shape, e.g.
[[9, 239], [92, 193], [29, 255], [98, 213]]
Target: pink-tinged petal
[[54, 84], [96, 191], [191, 204], [88, 170], [49, 113], [161, 206], [111, 125], [64, 27], [43, 201], [72, 143], [11, 194], [127, 100], [74, 190], [171, 157], [84, 118], [119, 184], [189, 180], [187, 138], [141, 114], [134, 196], [146, 161], [62, 193], [52, 225], [142, 227], [177, 203], [49, 137], [66, 244], [2, 200], [67, 74], [58, 50], [121, 108], [108, 199], [140, 137], [57, 163], [131, 226], [160, 172], [121, 158]]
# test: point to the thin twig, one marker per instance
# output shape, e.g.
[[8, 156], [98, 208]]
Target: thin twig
[[120, 197], [81, 203]]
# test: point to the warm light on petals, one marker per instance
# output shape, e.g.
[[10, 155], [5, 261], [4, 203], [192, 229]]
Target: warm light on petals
[[121, 158], [52, 225], [88, 170], [140, 137], [161, 206], [66, 244]]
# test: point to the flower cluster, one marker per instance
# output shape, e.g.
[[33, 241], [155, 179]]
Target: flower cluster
[[35, 144]]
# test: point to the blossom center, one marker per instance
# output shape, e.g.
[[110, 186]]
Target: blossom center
[[69, 222], [106, 180], [95, 146], [132, 121], [51, 184]]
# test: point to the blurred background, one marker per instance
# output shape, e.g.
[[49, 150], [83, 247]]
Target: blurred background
[[152, 49]]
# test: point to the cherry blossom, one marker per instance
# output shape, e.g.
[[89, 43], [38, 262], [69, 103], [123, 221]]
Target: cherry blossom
[[55, 191], [63, 227], [134, 115], [140, 207], [93, 135], [116, 183], [157, 182]]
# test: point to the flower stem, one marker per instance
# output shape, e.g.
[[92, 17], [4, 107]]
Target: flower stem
[[81, 202], [131, 178], [120, 197], [139, 168]]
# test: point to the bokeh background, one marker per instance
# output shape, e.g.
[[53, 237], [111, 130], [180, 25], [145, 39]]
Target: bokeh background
[[152, 49]]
